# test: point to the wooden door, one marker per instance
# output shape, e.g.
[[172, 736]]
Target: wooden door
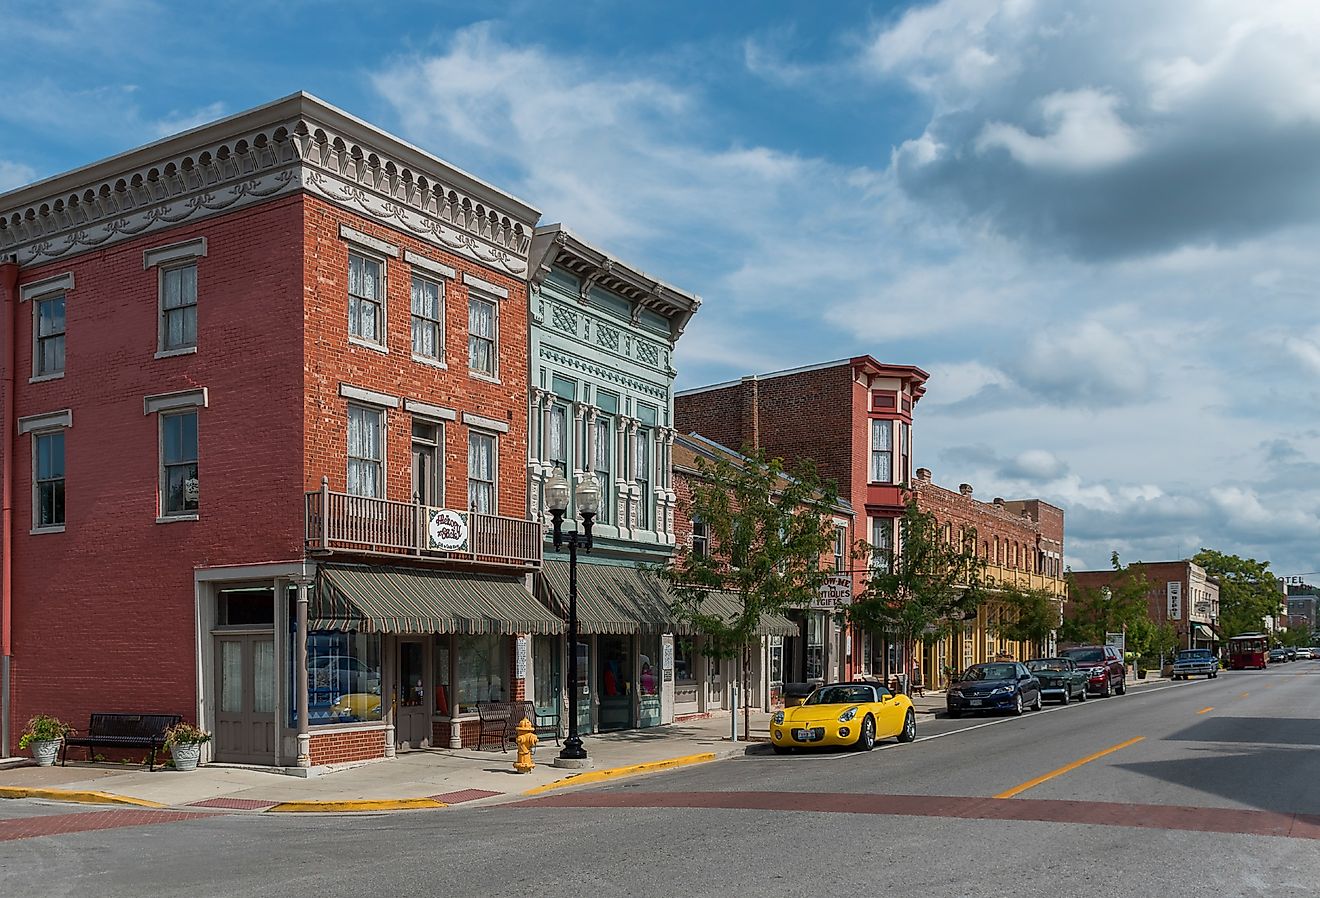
[[245, 698], [414, 708]]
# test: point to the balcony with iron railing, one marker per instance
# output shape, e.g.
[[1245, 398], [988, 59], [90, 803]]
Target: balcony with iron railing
[[360, 525]]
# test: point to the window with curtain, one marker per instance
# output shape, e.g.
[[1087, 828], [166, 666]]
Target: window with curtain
[[427, 321], [882, 451], [482, 330], [179, 483], [49, 476], [482, 668], [366, 320], [905, 449], [557, 441], [882, 544], [644, 498], [49, 319], [366, 451], [178, 307], [604, 436], [481, 472]]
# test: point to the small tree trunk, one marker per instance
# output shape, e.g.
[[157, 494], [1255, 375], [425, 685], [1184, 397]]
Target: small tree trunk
[[746, 705]]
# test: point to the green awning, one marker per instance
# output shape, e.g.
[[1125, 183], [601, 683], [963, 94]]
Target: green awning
[[629, 599], [379, 599], [612, 598]]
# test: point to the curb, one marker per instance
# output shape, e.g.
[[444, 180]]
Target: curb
[[76, 796], [341, 807], [596, 776]]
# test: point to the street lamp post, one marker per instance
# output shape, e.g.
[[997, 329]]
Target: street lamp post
[[588, 504]]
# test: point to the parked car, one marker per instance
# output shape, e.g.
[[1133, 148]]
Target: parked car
[[354, 706], [847, 714], [996, 686], [343, 674], [1277, 655], [1059, 678], [1195, 663], [1292, 653], [1106, 673], [1305, 654]]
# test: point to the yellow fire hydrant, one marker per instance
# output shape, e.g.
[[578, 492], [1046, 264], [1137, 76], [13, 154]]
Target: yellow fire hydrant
[[526, 741]]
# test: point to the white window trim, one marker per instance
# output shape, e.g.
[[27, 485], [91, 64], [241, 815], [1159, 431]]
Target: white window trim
[[492, 376], [163, 517], [184, 251], [426, 410], [485, 286], [481, 423], [870, 465], [430, 265], [495, 467], [364, 396], [165, 402], [38, 426], [439, 282], [367, 242], [175, 263], [382, 322], [60, 283], [38, 298]]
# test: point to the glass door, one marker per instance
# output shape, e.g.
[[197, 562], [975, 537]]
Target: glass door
[[614, 682], [245, 698], [414, 713], [546, 696], [648, 683]]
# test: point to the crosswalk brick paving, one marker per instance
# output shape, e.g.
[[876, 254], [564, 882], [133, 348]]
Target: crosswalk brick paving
[[64, 824]]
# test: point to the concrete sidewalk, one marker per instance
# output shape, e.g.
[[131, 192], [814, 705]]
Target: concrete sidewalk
[[431, 778]]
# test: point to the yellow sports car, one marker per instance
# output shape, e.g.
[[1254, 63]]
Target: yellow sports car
[[851, 714]]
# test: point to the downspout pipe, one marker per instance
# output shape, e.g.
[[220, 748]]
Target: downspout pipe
[[9, 297]]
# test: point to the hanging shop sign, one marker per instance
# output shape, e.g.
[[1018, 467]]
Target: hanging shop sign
[[445, 530]]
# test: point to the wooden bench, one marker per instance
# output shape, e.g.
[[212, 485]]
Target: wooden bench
[[124, 731], [500, 719]]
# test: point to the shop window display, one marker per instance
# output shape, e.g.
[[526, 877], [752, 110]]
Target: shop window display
[[343, 678], [482, 669]]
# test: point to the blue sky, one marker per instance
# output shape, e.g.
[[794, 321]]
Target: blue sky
[[1093, 222]]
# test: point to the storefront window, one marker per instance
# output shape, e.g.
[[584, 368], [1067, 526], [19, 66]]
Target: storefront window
[[648, 675], [685, 660], [442, 657], [545, 669], [483, 669], [815, 646], [343, 678]]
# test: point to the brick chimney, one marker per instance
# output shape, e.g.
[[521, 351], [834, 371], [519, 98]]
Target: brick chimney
[[751, 412], [923, 474], [965, 489], [999, 501]]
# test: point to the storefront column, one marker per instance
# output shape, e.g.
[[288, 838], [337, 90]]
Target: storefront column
[[300, 675]]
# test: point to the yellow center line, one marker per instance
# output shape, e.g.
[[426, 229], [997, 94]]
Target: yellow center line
[[1204, 710], [1017, 790]]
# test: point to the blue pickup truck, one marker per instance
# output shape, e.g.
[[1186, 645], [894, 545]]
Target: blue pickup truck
[[1195, 663]]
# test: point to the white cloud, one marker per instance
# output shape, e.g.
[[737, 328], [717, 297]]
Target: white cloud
[[1084, 132], [15, 174]]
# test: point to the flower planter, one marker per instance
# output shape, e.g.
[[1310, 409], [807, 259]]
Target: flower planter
[[45, 751], [186, 755]]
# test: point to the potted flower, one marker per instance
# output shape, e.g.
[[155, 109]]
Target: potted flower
[[44, 733], [185, 744]]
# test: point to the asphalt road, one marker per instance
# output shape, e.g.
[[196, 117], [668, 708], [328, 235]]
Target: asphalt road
[[1210, 787]]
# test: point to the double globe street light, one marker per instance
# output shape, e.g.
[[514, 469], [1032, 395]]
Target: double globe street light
[[587, 496]]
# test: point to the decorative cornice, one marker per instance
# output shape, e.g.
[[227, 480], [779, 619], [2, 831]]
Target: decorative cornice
[[299, 143], [601, 373]]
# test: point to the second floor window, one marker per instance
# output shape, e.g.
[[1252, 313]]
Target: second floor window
[[178, 308], [427, 331], [481, 472], [882, 451], [557, 438], [48, 475], [644, 496], [366, 451], [482, 329], [882, 544], [700, 539], [840, 549], [366, 319], [179, 482], [601, 463], [48, 358]]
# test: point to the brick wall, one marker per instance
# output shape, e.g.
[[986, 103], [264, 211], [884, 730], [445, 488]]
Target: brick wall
[[332, 360], [1012, 535], [103, 613], [343, 747]]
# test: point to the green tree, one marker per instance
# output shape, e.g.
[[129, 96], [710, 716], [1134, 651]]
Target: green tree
[[925, 587], [1031, 614], [1094, 611], [767, 533], [1248, 591]]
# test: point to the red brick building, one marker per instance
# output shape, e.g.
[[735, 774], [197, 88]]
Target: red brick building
[[1021, 542], [854, 418], [1181, 594], [265, 378]]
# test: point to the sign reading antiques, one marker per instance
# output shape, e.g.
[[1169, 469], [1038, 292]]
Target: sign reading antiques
[[445, 530], [835, 593]]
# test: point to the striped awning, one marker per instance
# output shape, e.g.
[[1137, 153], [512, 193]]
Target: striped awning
[[1204, 632], [629, 599], [378, 599], [612, 598]]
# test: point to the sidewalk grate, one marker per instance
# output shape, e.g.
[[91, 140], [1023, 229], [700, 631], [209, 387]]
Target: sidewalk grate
[[464, 795], [234, 804]]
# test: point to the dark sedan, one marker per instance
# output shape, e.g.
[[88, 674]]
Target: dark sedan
[[998, 686], [1059, 678]]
